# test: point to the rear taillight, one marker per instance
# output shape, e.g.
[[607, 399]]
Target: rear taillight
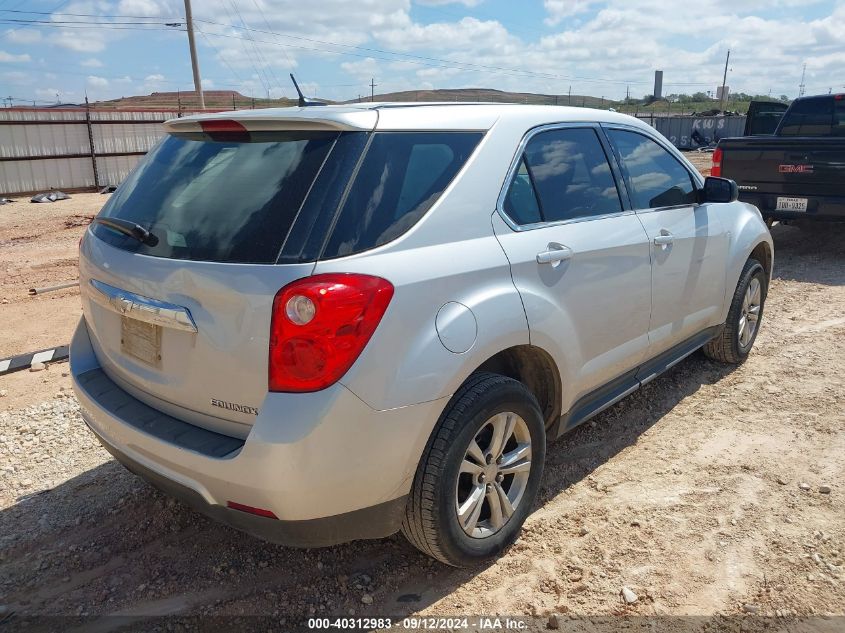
[[716, 169], [320, 326]]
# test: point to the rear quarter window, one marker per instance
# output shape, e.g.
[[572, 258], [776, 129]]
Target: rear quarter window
[[401, 176]]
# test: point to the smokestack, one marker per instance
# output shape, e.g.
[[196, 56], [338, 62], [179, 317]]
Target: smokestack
[[658, 84]]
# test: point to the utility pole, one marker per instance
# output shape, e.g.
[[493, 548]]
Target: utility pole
[[189, 22], [801, 86], [570, 96], [627, 93], [725, 81], [373, 85]]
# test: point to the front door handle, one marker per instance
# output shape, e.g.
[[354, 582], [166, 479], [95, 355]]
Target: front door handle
[[556, 253], [664, 239]]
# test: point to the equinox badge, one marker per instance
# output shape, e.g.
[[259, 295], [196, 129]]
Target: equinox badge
[[232, 406]]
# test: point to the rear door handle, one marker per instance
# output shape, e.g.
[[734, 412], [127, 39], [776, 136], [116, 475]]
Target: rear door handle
[[664, 239], [556, 253]]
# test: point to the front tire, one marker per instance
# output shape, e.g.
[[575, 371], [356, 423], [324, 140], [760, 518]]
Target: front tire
[[738, 334], [478, 477]]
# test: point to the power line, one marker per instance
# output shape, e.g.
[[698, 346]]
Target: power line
[[85, 22], [219, 55], [104, 25], [92, 15], [265, 67], [284, 50], [249, 54]]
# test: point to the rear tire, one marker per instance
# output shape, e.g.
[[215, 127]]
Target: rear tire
[[740, 330], [478, 477]]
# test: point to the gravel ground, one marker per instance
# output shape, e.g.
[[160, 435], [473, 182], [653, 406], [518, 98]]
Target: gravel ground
[[712, 491]]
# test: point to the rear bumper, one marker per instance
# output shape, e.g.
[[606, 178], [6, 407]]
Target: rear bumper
[[818, 207], [328, 466], [367, 523]]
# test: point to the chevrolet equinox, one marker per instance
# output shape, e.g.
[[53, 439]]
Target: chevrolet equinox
[[320, 324]]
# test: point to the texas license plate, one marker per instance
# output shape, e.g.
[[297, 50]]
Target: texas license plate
[[140, 340], [791, 204]]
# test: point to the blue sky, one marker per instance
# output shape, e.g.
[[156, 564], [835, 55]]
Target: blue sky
[[602, 48]]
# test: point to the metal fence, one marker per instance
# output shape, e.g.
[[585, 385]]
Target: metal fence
[[43, 149], [77, 149], [680, 129]]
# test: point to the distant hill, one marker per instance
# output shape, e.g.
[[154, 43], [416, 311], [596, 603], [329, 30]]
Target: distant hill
[[214, 99], [228, 99], [488, 95]]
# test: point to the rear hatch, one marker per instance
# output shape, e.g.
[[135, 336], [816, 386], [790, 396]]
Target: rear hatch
[[230, 212]]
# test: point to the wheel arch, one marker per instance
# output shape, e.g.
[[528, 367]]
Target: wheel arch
[[749, 238], [762, 252], [536, 369]]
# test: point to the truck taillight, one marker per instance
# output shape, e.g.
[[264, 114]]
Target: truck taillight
[[320, 326], [716, 169]]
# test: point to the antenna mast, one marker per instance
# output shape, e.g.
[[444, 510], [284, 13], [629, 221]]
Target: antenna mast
[[801, 85]]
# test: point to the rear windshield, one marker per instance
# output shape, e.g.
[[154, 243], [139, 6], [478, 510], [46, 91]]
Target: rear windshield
[[814, 116], [217, 200]]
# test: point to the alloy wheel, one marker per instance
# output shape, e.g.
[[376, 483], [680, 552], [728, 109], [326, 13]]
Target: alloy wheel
[[750, 314], [493, 475]]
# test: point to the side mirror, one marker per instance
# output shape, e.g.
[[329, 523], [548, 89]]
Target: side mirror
[[719, 190]]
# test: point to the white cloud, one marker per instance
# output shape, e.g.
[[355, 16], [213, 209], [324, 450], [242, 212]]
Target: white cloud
[[22, 36], [363, 69], [18, 78], [94, 81], [92, 62], [559, 10], [147, 8], [434, 3], [9, 57], [80, 40]]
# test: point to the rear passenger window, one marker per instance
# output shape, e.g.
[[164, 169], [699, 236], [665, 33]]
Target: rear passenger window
[[654, 177], [402, 175], [563, 174], [813, 116]]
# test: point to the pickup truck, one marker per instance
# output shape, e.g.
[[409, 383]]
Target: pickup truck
[[799, 171]]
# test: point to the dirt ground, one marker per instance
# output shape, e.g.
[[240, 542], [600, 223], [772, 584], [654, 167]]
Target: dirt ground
[[712, 491]]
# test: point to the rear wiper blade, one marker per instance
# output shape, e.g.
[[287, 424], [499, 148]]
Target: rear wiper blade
[[129, 228]]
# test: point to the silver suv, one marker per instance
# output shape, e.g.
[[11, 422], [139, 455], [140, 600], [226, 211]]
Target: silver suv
[[321, 324]]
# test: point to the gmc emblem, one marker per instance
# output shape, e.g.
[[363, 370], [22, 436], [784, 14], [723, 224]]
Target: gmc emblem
[[795, 169]]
